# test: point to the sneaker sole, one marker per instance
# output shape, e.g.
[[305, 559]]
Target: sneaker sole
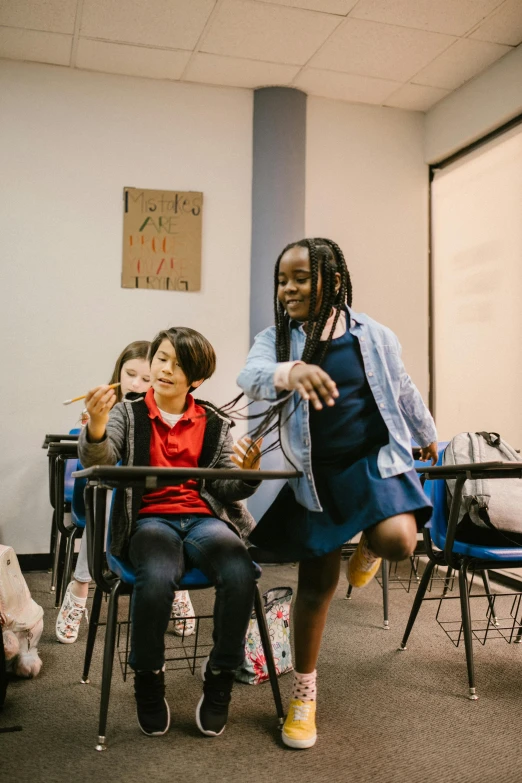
[[157, 733], [200, 727], [300, 744], [186, 632], [63, 640]]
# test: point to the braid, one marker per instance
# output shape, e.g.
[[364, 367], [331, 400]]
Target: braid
[[327, 258]]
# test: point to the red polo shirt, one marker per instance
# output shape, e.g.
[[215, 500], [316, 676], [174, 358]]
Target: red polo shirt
[[175, 447]]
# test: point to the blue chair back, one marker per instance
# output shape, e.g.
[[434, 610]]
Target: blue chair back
[[73, 488], [438, 525]]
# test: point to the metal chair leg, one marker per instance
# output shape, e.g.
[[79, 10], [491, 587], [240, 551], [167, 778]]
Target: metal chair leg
[[269, 655], [348, 595], [91, 635], [385, 592], [421, 592], [447, 581], [58, 597], [55, 555], [489, 593], [108, 660], [466, 627], [68, 564]]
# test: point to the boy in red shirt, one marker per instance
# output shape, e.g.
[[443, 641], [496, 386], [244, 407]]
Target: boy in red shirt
[[194, 524]]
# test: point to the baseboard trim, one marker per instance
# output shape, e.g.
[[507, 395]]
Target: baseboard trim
[[35, 562]]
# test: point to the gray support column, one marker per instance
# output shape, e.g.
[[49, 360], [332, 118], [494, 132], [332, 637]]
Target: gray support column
[[278, 190], [278, 217]]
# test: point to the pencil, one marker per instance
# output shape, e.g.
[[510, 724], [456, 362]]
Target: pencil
[[83, 396]]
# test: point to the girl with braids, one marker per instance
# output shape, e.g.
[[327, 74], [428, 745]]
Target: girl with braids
[[345, 410]]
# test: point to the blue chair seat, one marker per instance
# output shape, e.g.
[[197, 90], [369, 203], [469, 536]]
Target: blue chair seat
[[439, 522], [191, 578]]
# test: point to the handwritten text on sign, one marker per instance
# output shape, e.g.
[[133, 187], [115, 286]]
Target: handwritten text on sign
[[162, 239]]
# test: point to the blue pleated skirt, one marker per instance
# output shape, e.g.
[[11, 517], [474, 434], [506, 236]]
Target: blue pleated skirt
[[353, 498]]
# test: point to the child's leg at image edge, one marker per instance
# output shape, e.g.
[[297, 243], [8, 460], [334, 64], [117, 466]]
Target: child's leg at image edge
[[74, 603]]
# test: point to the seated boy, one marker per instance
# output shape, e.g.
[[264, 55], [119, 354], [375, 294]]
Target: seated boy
[[164, 531]]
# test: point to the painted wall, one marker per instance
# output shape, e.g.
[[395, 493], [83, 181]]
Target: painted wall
[[71, 141], [367, 189], [477, 108]]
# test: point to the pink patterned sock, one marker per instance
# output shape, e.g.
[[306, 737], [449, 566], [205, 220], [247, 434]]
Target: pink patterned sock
[[304, 687]]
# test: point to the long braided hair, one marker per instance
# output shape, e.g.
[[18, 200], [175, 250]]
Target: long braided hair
[[326, 259]]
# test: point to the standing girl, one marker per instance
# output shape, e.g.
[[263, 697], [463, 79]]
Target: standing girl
[[132, 372], [347, 426]]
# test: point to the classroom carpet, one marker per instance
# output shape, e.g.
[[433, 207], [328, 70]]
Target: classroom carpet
[[383, 716]]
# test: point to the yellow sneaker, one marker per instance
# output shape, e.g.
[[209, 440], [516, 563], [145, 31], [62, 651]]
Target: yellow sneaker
[[362, 565], [299, 729]]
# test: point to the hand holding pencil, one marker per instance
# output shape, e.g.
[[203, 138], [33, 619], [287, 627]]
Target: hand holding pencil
[[98, 403], [83, 396]]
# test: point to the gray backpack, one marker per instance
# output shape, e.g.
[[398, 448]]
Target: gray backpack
[[489, 503]]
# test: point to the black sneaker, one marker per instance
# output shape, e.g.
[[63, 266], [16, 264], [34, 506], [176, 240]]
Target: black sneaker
[[212, 710], [151, 705]]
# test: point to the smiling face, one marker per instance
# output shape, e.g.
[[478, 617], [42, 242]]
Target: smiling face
[[294, 287], [135, 376], [295, 284], [168, 380]]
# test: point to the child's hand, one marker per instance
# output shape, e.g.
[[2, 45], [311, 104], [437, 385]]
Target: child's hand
[[311, 382], [430, 452], [248, 454], [98, 403]]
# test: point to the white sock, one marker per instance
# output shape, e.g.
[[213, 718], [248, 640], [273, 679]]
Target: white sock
[[77, 599], [304, 687]]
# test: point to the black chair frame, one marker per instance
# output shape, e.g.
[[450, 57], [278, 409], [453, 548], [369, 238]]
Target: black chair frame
[[59, 453], [57, 444], [101, 479], [461, 564]]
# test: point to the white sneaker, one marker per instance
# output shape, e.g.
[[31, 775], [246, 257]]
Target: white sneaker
[[70, 617], [183, 612]]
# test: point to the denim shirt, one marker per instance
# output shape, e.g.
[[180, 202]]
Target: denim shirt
[[397, 398]]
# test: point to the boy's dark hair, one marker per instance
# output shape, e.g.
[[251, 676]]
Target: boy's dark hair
[[328, 258], [194, 353], [136, 350]]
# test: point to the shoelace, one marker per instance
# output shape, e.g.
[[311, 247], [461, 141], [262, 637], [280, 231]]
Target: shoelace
[[74, 614], [302, 711]]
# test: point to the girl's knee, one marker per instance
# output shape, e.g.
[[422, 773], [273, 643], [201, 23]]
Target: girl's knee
[[394, 538]]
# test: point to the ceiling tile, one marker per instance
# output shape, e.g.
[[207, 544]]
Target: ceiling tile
[[341, 7], [174, 24], [455, 17], [130, 60], [459, 63], [55, 16], [234, 72], [36, 46], [379, 50], [415, 97], [504, 27], [258, 31], [344, 87]]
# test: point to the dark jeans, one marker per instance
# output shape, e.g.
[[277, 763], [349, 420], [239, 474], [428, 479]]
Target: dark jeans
[[161, 549]]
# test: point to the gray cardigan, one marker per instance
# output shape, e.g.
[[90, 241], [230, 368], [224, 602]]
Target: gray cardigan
[[127, 439]]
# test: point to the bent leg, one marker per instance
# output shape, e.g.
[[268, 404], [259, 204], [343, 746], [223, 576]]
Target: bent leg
[[156, 552], [394, 538], [317, 583], [219, 552]]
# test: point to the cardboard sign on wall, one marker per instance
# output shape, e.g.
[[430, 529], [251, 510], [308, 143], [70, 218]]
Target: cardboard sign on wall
[[162, 239]]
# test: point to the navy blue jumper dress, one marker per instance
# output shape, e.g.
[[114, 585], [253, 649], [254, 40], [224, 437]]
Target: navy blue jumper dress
[[346, 439]]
